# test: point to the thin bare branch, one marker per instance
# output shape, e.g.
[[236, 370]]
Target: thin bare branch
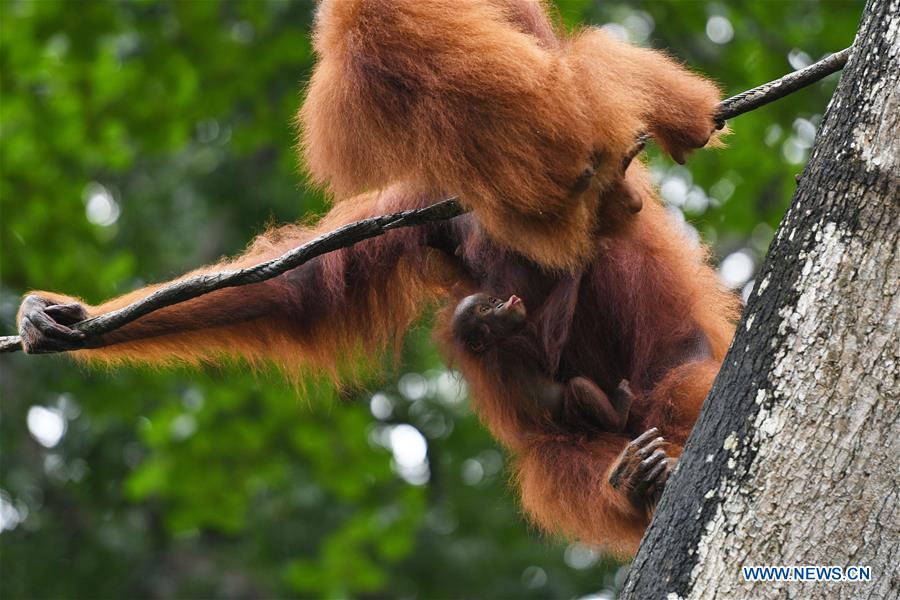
[[358, 231], [764, 94], [192, 287], [790, 83]]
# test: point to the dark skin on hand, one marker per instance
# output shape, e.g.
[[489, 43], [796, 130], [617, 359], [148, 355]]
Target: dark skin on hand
[[482, 322], [46, 327]]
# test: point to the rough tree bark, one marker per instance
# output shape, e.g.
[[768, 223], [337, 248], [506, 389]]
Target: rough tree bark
[[795, 458]]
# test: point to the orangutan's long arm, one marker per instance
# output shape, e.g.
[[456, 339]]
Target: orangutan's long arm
[[353, 299]]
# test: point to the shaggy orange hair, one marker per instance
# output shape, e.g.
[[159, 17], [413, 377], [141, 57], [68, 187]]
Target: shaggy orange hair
[[415, 100]]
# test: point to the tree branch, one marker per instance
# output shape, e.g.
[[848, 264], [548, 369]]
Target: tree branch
[[775, 90], [358, 231], [764, 94], [192, 287]]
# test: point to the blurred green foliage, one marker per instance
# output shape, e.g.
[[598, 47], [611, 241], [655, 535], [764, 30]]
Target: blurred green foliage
[[139, 139]]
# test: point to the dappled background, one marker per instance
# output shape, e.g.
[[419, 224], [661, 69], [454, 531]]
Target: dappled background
[[139, 139]]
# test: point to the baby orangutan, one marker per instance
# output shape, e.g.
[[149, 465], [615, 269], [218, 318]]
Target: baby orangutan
[[496, 336]]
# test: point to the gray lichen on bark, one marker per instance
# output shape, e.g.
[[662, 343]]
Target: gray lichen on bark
[[794, 460]]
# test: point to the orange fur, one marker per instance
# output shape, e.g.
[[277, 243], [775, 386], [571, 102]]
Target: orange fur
[[490, 101], [645, 295], [341, 323], [565, 490], [460, 95]]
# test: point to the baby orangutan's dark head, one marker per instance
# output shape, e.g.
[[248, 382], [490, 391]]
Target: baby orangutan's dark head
[[480, 320]]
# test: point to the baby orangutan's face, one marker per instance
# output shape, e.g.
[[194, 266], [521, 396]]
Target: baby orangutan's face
[[480, 320]]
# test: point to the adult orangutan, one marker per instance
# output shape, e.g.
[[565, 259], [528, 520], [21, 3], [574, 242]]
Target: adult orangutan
[[413, 101]]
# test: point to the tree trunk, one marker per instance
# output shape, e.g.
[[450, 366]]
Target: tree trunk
[[795, 457]]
